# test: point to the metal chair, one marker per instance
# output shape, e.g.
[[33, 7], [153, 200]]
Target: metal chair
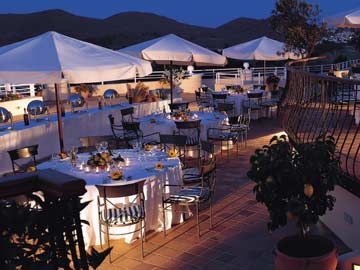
[[191, 129], [192, 176], [127, 115], [219, 97], [179, 106], [28, 152], [88, 144], [38, 108], [229, 108], [111, 215], [176, 142], [76, 102], [224, 134], [253, 102], [5, 117], [192, 195]]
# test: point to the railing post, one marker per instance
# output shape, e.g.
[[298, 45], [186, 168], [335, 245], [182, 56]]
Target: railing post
[[32, 90]]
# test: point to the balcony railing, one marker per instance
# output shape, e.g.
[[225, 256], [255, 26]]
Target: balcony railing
[[316, 105]]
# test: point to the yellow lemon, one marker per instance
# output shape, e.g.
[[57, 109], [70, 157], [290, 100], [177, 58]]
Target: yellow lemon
[[172, 153], [63, 155], [159, 166], [147, 147], [308, 190], [224, 112], [116, 175]]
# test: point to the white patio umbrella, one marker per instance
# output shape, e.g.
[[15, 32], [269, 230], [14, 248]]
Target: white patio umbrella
[[51, 57], [264, 49], [347, 19], [173, 50]]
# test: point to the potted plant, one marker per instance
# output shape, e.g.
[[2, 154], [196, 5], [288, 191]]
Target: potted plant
[[138, 94], [85, 90], [272, 82], [294, 184]]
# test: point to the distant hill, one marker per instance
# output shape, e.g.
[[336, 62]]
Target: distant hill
[[128, 28]]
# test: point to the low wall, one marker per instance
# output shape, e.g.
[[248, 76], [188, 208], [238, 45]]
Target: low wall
[[344, 220], [188, 85], [16, 107]]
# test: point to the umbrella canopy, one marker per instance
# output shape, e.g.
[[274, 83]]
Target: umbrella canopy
[[263, 48], [173, 49], [348, 19], [49, 57]]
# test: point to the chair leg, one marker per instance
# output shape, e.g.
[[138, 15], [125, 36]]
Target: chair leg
[[197, 219], [164, 219], [142, 239], [108, 240], [100, 232], [211, 219]]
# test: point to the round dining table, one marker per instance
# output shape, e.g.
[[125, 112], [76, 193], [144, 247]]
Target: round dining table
[[165, 123], [139, 165]]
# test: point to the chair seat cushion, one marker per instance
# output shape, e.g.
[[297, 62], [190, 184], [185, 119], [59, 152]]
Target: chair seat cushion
[[126, 215], [189, 195]]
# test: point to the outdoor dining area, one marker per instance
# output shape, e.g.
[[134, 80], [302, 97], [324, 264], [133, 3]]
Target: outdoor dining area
[[146, 166]]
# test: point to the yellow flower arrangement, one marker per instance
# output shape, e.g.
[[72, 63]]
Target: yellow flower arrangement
[[172, 153], [147, 147], [224, 112], [159, 166], [308, 190], [31, 169], [116, 175]]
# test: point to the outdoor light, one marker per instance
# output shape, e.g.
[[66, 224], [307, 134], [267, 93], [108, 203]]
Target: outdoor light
[[355, 266], [246, 65], [190, 69]]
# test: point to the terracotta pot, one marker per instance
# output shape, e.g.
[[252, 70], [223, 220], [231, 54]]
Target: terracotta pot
[[311, 253]]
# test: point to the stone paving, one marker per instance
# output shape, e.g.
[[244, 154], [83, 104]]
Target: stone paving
[[239, 239]]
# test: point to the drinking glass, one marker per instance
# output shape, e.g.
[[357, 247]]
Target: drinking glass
[[104, 146], [98, 147]]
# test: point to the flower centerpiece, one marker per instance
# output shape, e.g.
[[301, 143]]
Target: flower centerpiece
[[172, 153], [295, 185], [159, 166], [100, 160], [272, 82], [85, 90], [138, 94], [177, 76]]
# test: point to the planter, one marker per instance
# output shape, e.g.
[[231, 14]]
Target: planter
[[85, 94], [272, 86], [137, 99], [311, 253]]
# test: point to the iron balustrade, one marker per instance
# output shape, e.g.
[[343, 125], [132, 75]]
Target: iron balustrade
[[315, 105]]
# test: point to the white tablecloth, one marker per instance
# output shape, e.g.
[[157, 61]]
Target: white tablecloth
[[92, 123], [139, 170], [167, 126]]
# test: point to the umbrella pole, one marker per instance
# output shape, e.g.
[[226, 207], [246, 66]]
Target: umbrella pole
[[264, 73], [59, 119], [171, 83]]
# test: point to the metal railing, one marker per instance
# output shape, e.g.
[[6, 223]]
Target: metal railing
[[316, 105]]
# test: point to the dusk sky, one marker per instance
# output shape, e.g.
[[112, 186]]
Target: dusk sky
[[198, 12]]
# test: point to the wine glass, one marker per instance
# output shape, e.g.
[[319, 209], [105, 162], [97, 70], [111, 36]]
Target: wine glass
[[104, 146], [98, 147]]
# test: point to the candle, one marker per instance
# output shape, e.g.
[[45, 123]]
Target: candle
[[97, 170], [81, 167], [87, 169], [108, 168], [127, 162]]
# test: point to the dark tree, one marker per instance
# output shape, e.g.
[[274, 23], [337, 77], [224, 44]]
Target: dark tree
[[300, 24]]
